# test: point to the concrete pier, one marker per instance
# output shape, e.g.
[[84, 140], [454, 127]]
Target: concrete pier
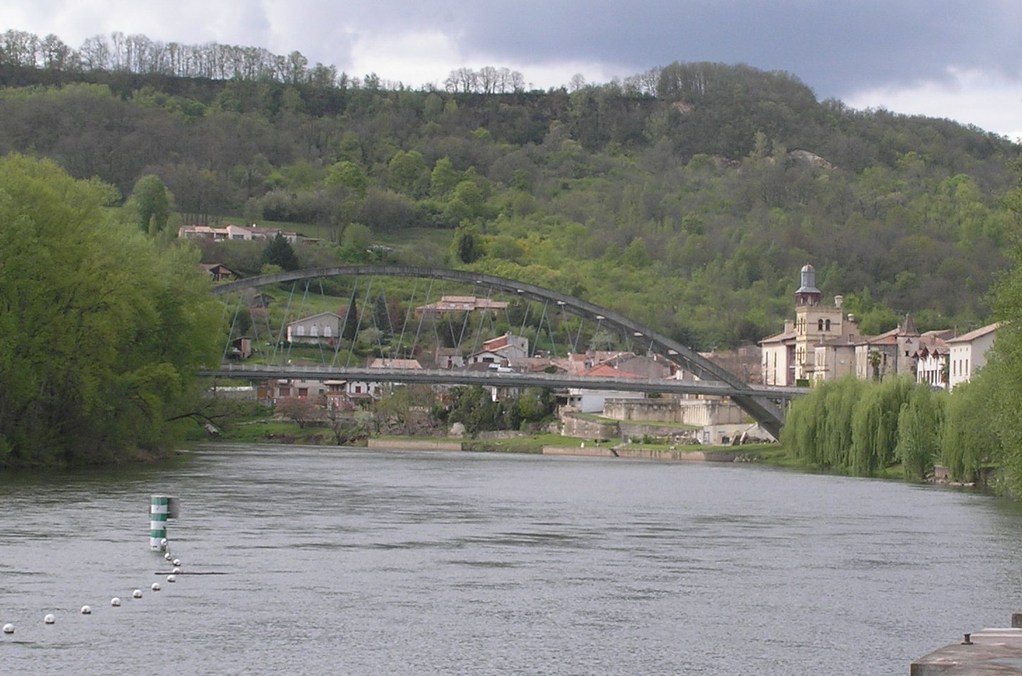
[[987, 651]]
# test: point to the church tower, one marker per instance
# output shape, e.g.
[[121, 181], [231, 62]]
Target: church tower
[[816, 326]]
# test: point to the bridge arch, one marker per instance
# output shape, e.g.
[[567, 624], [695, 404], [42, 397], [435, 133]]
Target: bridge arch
[[762, 408]]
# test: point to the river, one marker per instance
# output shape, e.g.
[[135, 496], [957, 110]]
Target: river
[[319, 560]]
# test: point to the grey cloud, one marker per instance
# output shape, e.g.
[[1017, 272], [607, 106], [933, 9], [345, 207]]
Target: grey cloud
[[835, 47]]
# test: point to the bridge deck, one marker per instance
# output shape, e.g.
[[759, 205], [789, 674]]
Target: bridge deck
[[494, 378]]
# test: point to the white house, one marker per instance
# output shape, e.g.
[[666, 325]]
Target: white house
[[501, 350], [591, 400], [318, 328], [245, 233], [778, 357], [932, 359], [967, 353]]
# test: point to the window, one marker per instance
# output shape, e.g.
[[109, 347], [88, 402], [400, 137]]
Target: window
[[328, 331], [827, 325], [299, 330]]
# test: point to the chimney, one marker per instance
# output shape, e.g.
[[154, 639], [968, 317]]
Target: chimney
[[839, 301]]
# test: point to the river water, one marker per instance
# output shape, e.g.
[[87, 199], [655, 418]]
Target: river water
[[347, 561]]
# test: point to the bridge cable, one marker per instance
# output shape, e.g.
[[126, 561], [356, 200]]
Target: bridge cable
[[358, 325], [525, 318], [283, 323], [379, 330], [464, 322], [298, 315], [550, 328], [266, 315], [482, 318], [230, 332], [322, 354], [404, 324], [422, 317], [578, 335], [539, 327], [344, 325]]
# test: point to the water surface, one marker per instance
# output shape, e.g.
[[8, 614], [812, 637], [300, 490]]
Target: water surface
[[346, 561]]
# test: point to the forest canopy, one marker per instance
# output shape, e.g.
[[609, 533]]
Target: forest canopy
[[708, 185]]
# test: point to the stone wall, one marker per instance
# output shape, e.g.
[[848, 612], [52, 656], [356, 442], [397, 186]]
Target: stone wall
[[576, 426], [697, 412]]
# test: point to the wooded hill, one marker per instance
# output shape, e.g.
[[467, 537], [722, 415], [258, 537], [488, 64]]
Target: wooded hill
[[687, 197]]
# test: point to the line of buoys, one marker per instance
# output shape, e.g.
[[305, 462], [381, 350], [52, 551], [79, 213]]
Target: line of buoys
[[161, 509]]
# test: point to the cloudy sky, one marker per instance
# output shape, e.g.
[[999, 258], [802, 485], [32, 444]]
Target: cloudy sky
[[943, 58]]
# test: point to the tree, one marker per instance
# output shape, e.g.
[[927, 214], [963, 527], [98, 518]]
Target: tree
[[874, 358], [408, 173], [297, 409], [152, 203], [279, 252], [443, 178], [919, 432], [101, 334], [466, 244], [350, 328]]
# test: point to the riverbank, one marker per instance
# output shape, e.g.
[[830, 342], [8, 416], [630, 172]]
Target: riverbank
[[536, 444], [274, 430]]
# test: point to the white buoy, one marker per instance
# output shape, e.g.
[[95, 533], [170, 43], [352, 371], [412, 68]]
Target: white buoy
[[49, 619], [8, 628], [137, 594], [176, 562], [171, 578], [86, 610], [167, 556], [115, 602], [176, 571], [156, 586]]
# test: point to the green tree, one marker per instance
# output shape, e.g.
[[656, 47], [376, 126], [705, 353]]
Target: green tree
[[919, 432], [350, 175], [408, 173], [101, 334], [279, 252], [467, 246], [444, 178], [970, 436], [152, 202], [350, 327]]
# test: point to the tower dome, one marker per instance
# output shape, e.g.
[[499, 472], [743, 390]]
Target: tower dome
[[807, 293]]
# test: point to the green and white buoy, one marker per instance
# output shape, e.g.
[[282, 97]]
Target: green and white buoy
[[161, 508]]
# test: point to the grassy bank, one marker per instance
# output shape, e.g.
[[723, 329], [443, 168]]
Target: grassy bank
[[272, 430]]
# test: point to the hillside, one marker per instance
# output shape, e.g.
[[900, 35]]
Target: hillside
[[687, 197]]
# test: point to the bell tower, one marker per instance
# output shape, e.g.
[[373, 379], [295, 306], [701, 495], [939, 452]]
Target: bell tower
[[816, 326], [807, 293]]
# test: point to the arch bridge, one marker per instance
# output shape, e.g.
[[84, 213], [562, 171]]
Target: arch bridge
[[763, 404]]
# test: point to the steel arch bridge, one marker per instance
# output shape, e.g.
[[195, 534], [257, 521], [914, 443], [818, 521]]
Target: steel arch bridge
[[762, 404]]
